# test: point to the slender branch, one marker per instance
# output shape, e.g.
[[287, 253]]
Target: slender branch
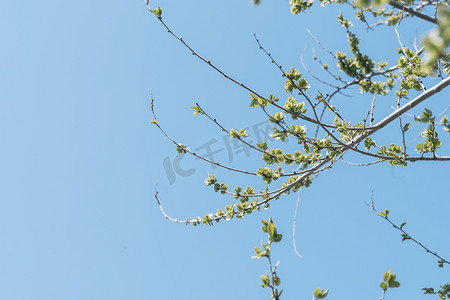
[[273, 274], [208, 62], [405, 235], [294, 222], [214, 120], [320, 44], [362, 165], [193, 153], [383, 294]]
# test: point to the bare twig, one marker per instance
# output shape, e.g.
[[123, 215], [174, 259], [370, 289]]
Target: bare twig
[[362, 165], [294, 222]]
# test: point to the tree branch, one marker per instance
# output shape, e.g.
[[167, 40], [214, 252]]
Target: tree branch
[[413, 12]]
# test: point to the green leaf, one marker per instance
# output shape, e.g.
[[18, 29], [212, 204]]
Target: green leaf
[[234, 133], [265, 281], [277, 238], [405, 237], [157, 12], [254, 102], [243, 133], [276, 280], [196, 110], [288, 86], [320, 294], [387, 276], [406, 127]]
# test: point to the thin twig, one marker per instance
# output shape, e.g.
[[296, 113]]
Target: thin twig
[[362, 165], [294, 222], [405, 235], [185, 148]]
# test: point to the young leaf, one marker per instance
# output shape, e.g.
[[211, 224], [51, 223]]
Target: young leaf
[[157, 12], [196, 110], [406, 127]]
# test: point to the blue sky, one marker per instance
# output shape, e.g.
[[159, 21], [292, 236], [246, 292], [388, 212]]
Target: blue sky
[[79, 159]]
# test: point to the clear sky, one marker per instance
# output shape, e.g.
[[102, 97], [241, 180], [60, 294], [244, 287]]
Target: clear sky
[[79, 160]]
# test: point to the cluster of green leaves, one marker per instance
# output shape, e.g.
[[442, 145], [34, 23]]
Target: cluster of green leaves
[[269, 174], [271, 230], [295, 81], [182, 148], [361, 66], [257, 101], [319, 294], [389, 281], [298, 6], [412, 70], [373, 6], [218, 186], [384, 213], [157, 11], [347, 134], [394, 151], [306, 183], [238, 133], [443, 293], [295, 108], [271, 280], [431, 142]]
